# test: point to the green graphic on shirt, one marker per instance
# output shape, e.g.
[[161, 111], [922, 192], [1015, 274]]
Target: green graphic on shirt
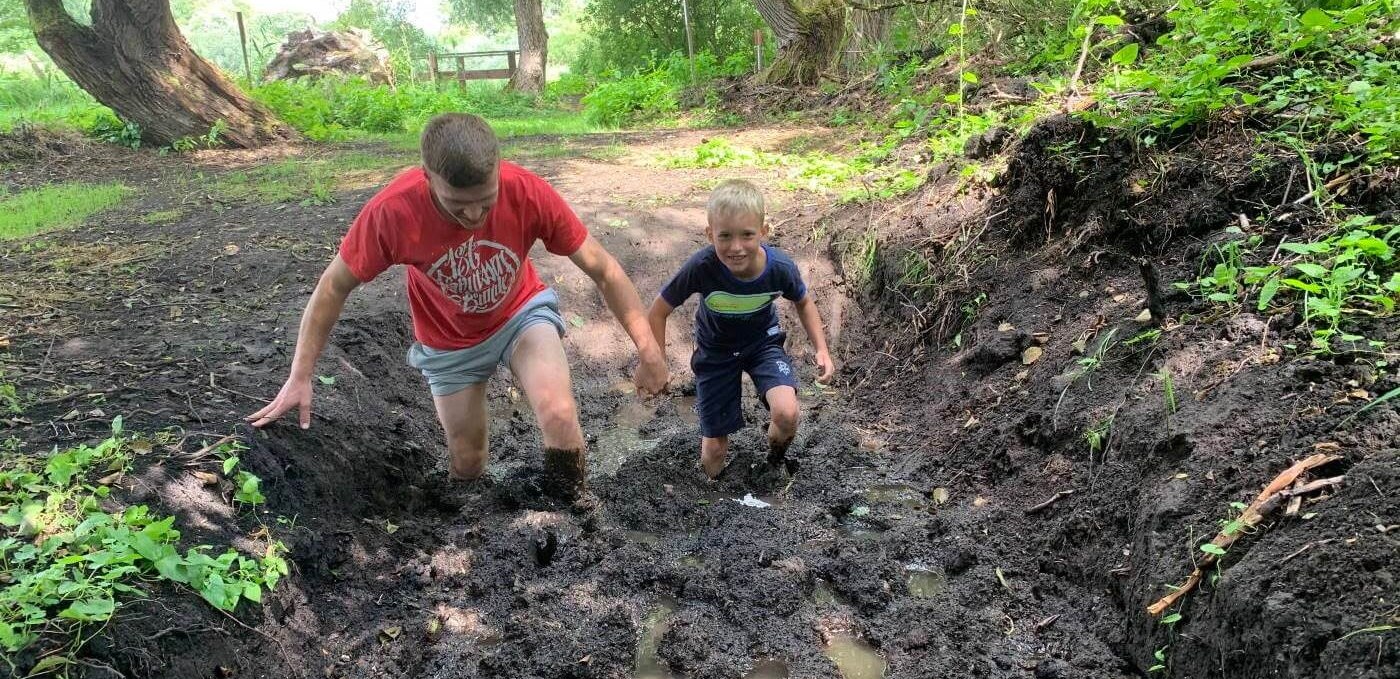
[[730, 304]]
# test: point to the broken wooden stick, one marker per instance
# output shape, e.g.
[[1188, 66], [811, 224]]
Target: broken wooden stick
[[1268, 501], [1053, 499]]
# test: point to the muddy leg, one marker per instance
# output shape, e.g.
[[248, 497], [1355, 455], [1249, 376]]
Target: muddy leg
[[464, 420], [782, 406], [713, 452], [542, 371]]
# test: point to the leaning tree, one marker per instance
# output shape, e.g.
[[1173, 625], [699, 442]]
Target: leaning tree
[[134, 59]]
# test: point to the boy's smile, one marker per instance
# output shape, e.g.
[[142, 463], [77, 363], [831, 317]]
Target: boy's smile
[[738, 240]]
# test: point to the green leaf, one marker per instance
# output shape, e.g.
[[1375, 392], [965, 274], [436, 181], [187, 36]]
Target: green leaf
[[970, 77], [1317, 19], [860, 511], [955, 29], [1266, 294], [252, 592], [326, 379], [1221, 297], [1313, 270], [90, 610], [1306, 248], [1212, 548], [49, 664], [230, 463], [1305, 287], [1171, 619], [576, 320], [1126, 55], [117, 426], [1109, 20]]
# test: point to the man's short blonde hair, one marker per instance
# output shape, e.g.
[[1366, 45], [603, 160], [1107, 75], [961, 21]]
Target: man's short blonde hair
[[735, 197]]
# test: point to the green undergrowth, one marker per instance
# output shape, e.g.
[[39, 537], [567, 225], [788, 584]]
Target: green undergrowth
[[1337, 280], [857, 178], [71, 555], [314, 180], [56, 206]]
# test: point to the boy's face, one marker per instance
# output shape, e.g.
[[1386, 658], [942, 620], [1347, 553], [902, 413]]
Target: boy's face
[[468, 205], [738, 240]]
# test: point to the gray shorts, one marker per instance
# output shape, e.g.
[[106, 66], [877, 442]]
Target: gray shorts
[[450, 371]]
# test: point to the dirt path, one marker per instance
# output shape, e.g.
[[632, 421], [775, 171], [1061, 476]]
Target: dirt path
[[901, 549]]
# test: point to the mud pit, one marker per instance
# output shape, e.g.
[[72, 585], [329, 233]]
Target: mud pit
[[901, 549]]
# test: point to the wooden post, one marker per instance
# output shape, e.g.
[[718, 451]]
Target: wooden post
[[432, 67], [758, 50], [510, 62], [689, 40], [243, 40], [461, 72]]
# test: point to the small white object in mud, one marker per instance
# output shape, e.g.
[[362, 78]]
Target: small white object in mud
[[750, 501]]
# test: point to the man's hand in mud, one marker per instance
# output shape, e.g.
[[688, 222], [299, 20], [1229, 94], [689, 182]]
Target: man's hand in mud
[[826, 366], [652, 376], [295, 394]]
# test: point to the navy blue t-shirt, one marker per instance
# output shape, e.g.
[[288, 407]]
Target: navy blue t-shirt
[[734, 313]]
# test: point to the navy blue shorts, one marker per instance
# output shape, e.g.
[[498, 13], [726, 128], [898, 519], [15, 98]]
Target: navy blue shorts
[[718, 382]]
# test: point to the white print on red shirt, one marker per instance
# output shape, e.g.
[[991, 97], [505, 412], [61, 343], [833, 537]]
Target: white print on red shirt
[[476, 274]]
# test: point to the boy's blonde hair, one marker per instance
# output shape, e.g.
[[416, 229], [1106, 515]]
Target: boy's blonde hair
[[734, 197]]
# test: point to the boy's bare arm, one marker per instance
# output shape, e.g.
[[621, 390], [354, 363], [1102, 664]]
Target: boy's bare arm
[[656, 318], [812, 322]]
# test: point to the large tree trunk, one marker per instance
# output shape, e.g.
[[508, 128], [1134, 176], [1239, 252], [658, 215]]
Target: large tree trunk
[[134, 59], [868, 33], [809, 34], [534, 47]]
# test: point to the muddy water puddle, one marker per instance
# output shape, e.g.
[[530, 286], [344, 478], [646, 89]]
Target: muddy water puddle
[[623, 435], [901, 494], [854, 658], [654, 626], [768, 669], [925, 582]]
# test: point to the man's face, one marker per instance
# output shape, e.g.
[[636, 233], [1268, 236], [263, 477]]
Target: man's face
[[738, 239], [469, 205]]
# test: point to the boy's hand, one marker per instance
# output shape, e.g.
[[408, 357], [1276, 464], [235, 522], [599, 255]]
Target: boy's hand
[[826, 366], [652, 376]]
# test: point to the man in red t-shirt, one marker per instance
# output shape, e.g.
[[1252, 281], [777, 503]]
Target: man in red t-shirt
[[463, 224]]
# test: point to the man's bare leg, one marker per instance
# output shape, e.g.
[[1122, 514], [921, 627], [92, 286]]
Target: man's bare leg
[[464, 420], [542, 370]]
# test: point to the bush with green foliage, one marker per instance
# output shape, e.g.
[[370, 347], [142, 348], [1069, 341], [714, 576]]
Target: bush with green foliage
[[652, 93]]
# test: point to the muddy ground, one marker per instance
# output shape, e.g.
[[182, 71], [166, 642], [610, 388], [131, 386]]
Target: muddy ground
[[903, 546]]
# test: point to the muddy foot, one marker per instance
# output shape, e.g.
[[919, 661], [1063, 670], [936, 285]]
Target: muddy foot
[[563, 474]]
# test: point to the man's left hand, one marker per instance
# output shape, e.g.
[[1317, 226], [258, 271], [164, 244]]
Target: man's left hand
[[652, 376]]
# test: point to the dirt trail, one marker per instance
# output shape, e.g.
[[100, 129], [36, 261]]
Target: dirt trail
[[896, 549]]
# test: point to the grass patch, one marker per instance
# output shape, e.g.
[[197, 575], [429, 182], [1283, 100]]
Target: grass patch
[[162, 216], [857, 179], [310, 181], [57, 206]]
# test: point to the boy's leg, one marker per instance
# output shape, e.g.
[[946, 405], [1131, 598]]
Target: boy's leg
[[542, 370], [718, 388], [713, 453], [783, 409], [464, 420], [773, 378]]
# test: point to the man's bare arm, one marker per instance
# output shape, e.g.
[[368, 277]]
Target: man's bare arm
[[622, 300], [322, 311]]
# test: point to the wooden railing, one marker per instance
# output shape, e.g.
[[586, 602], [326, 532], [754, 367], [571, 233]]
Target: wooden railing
[[462, 74]]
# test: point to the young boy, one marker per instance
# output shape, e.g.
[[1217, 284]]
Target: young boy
[[736, 327]]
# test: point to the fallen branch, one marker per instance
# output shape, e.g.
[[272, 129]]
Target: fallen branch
[[202, 452], [1053, 499], [1268, 501]]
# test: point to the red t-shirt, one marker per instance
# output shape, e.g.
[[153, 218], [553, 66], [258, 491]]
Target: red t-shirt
[[463, 285]]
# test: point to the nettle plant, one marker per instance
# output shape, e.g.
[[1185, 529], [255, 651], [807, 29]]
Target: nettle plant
[[67, 560]]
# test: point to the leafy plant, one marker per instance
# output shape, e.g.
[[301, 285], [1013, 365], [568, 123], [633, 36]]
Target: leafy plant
[[69, 561]]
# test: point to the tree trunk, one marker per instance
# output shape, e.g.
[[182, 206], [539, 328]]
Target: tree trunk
[[134, 60], [868, 33], [809, 34], [534, 47]]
